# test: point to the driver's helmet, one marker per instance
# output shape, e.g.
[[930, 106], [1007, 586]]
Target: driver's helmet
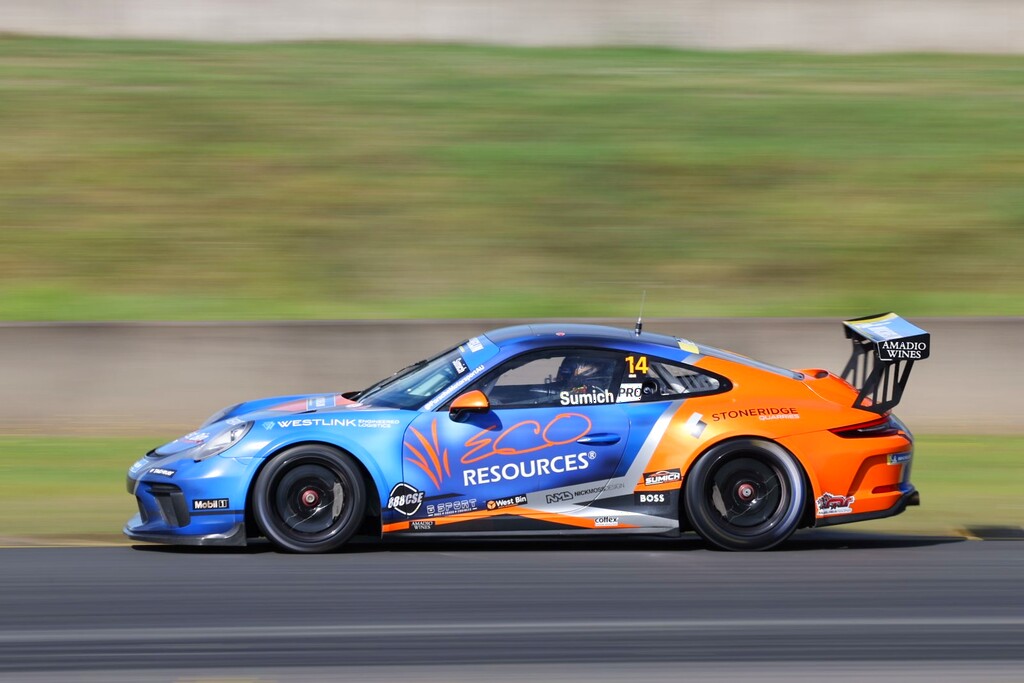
[[585, 374]]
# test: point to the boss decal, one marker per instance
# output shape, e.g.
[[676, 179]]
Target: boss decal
[[404, 499], [653, 498], [211, 504]]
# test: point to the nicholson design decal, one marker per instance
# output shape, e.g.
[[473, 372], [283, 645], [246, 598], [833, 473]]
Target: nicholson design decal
[[405, 499], [211, 504], [830, 504], [499, 503], [662, 477]]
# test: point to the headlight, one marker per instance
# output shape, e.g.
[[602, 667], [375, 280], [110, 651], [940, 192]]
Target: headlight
[[200, 445], [221, 441]]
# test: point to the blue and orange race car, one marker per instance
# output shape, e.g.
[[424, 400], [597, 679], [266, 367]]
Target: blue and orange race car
[[551, 429]]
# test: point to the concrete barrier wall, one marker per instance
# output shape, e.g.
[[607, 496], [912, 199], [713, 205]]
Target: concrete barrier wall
[[986, 26], [165, 378]]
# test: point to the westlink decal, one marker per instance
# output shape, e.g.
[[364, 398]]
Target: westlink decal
[[405, 500], [332, 422], [211, 504], [662, 477], [525, 469], [897, 349], [760, 413], [499, 503], [568, 398], [831, 504]]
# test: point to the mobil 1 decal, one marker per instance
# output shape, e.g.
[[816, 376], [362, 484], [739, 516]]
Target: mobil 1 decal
[[504, 454]]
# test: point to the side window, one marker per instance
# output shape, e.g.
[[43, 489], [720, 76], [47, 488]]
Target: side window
[[562, 377], [652, 379]]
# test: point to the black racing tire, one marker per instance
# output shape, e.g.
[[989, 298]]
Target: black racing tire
[[309, 499], [745, 494]]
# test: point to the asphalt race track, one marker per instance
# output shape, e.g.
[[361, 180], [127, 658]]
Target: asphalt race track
[[828, 604]]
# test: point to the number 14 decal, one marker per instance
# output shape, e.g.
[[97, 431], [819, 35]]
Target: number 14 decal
[[637, 365]]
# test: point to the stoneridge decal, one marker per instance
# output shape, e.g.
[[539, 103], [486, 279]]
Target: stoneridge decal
[[759, 413], [405, 499]]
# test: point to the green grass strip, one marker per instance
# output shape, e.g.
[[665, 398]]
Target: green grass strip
[[158, 180]]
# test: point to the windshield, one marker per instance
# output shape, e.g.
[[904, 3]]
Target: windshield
[[413, 386]]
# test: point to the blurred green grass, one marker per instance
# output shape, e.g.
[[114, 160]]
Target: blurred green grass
[[72, 488], [155, 180]]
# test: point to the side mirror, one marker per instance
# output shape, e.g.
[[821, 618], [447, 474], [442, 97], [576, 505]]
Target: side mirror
[[468, 403]]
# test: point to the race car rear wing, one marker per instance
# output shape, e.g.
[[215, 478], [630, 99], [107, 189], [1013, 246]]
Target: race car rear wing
[[885, 348]]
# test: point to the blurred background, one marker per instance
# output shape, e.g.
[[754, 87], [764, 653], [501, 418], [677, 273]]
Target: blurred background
[[190, 169]]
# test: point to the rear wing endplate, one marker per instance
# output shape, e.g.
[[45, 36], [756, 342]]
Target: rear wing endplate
[[885, 348]]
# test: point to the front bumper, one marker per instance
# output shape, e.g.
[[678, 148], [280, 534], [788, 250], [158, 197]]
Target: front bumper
[[182, 502], [235, 536]]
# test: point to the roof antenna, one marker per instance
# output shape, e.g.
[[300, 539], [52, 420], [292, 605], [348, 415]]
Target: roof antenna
[[640, 318]]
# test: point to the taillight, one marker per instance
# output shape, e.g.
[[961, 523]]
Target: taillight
[[886, 425]]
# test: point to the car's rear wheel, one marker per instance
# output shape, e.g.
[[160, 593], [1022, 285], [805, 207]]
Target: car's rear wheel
[[746, 494], [309, 499]]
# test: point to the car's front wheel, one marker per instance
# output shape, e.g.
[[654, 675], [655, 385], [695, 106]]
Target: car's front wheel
[[309, 499], [746, 494]]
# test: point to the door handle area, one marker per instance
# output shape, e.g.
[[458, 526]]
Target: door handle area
[[602, 439]]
